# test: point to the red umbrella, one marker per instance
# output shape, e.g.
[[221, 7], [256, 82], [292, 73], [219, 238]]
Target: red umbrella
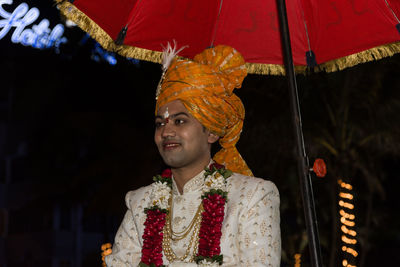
[[326, 35], [332, 34]]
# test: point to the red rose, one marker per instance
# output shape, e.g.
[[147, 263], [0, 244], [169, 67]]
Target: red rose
[[166, 173], [216, 166], [319, 168]]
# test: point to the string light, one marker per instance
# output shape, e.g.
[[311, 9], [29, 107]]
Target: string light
[[346, 264], [106, 250], [346, 204], [347, 240], [297, 259], [348, 231], [347, 220], [346, 195], [344, 185], [350, 251], [347, 215]]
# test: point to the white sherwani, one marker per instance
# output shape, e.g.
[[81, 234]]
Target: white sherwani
[[250, 231]]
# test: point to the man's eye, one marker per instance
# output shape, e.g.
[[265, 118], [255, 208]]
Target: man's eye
[[179, 121], [159, 124]]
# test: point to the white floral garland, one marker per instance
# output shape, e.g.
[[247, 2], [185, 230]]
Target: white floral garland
[[161, 191]]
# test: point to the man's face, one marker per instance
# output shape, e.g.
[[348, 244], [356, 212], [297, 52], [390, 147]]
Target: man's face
[[180, 138]]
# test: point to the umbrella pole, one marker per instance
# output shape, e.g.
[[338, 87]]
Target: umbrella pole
[[303, 164]]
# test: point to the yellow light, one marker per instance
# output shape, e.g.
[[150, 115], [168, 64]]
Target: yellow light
[[347, 215], [346, 264], [347, 240], [348, 231], [348, 186], [347, 222], [106, 250], [105, 246], [346, 205], [346, 195], [350, 251], [297, 258], [344, 185]]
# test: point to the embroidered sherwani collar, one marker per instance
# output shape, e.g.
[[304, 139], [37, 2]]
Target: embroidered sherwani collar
[[194, 184]]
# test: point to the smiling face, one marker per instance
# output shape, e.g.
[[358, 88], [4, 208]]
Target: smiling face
[[180, 138]]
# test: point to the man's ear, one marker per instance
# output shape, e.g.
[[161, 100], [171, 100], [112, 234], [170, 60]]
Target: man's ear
[[212, 138]]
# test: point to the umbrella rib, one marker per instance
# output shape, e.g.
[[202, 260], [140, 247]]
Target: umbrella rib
[[394, 14], [310, 56], [216, 24], [131, 18], [122, 34], [305, 26]]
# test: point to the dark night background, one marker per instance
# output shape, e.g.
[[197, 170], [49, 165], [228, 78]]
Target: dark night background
[[76, 133]]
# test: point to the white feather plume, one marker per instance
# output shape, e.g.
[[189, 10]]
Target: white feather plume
[[169, 54]]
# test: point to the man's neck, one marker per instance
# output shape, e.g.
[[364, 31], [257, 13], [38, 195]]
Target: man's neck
[[185, 174]]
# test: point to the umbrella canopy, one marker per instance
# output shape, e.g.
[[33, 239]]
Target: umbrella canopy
[[328, 35]]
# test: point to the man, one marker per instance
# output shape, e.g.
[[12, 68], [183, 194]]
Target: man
[[199, 213]]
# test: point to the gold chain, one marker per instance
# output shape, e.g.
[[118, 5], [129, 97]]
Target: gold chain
[[169, 235], [176, 236]]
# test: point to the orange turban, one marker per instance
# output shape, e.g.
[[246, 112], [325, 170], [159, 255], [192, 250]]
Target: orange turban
[[205, 87]]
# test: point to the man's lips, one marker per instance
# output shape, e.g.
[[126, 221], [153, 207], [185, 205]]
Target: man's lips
[[170, 145]]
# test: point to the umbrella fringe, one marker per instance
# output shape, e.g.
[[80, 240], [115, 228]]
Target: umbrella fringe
[[272, 69], [86, 24], [97, 33], [374, 53]]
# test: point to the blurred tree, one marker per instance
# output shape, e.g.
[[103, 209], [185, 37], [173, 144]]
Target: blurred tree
[[355, 129]]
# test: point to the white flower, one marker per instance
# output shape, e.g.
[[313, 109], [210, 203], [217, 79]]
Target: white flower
[[216, 181], [160, 195], [205, 263]]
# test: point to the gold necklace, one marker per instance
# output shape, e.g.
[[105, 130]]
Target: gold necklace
[[169, 234], [176, 236]]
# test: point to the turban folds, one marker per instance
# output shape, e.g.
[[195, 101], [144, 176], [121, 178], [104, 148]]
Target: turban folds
[[205, 87]]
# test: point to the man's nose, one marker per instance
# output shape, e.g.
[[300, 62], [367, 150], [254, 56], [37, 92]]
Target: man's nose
[[168, 130]]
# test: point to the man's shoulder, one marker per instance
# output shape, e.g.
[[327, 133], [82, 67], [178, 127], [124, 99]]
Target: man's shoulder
[[141, 194], [239, 181], [240, 186]]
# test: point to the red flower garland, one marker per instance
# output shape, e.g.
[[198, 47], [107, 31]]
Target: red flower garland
[[167, 173], [153, 231], [152, 237], [210, 229], [212, 217]]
